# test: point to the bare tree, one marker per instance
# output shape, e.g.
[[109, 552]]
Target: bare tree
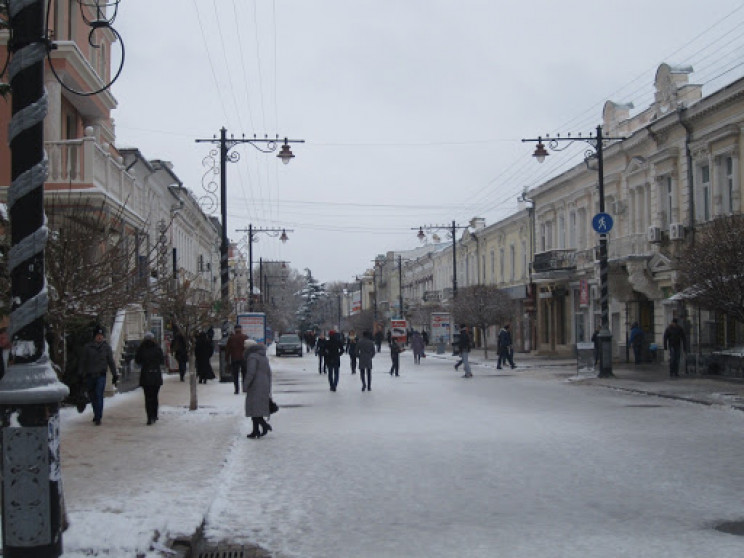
[[712, 269], [482, 306], [190, 310], [96, 264]]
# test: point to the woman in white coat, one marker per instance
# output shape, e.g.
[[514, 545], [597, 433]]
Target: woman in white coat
[[257, 387]]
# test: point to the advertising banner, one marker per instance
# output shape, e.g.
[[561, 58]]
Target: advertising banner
[[441, 327], [399, 330], [356, 302], [254, 325]]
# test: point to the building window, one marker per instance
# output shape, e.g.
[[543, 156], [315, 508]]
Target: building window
[[501, 264], [668, 199], [572, 242], [705, 202], [561, 232], [512, 263], [493, 266], [728, 166], [524, 259]]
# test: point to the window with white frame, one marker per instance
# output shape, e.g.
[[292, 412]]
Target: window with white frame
[[524, 258], [561, 232], [512, 263], [704, 197], [543, 237], [493, 266], [572, 230], [667, 197], [728, 184], [501, 265]]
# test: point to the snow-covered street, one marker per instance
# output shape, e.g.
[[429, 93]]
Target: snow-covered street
[[510, 464]]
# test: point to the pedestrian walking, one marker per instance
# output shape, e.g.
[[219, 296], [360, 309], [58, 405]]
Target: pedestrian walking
[[417, 346], [366, 351], [320, 352], [351, 350], [151, 359], [95, 359], [636, 341], [203, 351], [257, 387], [234, 353], [596, 340], [332, 351], [675, 340], [395, 350], [464, 344], [506, 351], [179, 350], [378, 339], [425, 337]]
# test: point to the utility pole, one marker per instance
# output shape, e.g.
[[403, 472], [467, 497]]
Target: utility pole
[[30, 392]]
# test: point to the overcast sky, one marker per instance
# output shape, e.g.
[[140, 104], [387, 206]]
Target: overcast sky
[[412, 111]]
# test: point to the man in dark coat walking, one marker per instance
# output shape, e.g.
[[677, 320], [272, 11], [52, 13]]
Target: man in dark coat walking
[[675, 340], [96, 358], [332, 351]]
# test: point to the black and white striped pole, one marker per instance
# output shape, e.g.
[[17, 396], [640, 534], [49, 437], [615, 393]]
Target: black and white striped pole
[[602, 223], [30, 392]]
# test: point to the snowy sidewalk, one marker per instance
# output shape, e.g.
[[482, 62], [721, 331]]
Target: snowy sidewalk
[[127, 484], [647, 379]]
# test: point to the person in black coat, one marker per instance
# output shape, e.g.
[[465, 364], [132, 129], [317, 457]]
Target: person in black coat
[[203, 350], [351, 350], [320, 352], [332, 351], [395, 351], [150, 358]]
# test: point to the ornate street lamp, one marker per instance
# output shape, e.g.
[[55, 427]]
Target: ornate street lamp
[[264, 145], [602, 224], [453, 232], [252, 232]]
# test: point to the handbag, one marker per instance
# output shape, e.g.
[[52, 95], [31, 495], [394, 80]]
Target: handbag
[[273, 407]]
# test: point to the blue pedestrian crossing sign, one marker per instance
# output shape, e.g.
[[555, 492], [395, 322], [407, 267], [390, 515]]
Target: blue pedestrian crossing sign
[[602, 223]]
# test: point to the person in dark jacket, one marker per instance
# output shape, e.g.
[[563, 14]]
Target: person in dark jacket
[[366, 352], [151, 359], [203, 350], [675, 340], [636, 341], [96, 358], [464, 344], [417, 345], [332, 351], [351, 350], [320, 353], [506, 351], [179, 349], [395, 350], [257, 387], [234, 354]]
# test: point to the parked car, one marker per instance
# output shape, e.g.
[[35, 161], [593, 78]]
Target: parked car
[[288, 344]]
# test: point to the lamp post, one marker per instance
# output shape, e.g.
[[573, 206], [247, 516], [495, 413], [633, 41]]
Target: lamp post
[[262, 279], [264, 145], [252, 232], [453, 232], [400, 285], [597, 142]]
